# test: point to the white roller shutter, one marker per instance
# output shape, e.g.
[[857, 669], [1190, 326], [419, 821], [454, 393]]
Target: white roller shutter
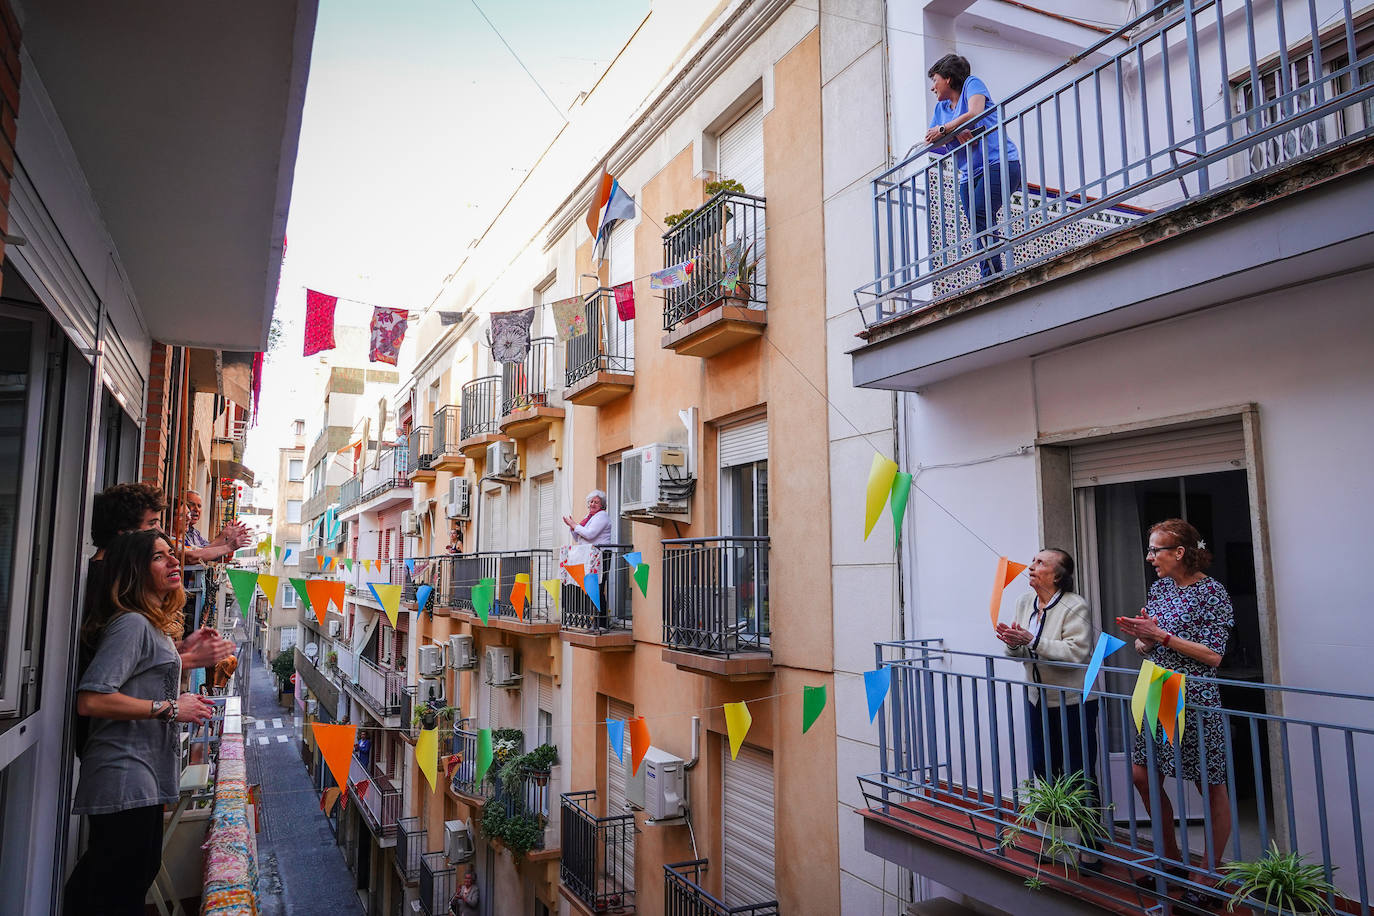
[[747, 792], [615, 783], [621, 250], [543, 509], [739, 151], [544, 685], [493, 704], [493, 520], [1165, 453], [743, 444]]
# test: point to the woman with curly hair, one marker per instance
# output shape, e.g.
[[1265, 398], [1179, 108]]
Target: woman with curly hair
[[129, 767], [1185, 626]]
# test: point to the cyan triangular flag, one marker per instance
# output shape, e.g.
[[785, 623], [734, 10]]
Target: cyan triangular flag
[[1106, 645], [422, 596], [634, 559], [410, 565], [591, 584], [615, 733], [876, 685]]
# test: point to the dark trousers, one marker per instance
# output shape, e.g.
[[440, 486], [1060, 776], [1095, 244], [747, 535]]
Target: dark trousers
[[1055, 730], [122, 858], [981, 196]]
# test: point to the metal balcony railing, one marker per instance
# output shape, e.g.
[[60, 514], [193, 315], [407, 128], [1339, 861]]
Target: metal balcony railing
[[456, 575], [388, 473], [384, 688], [465, 774], [684, 896], [952, 742], [596, 855], [525, 385], [446, 431], [421, 454], [579, 613], [1137, 131], [608, 345], [438, 883], [723, 235], [381, 803], [715, 594], [530, 799], [410, 847], [350, 492], [481, 407]]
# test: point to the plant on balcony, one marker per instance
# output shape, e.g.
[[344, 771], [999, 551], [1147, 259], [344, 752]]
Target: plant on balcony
[[1061, 809], [519, 831], [505, 746], [1282, 882], [332, 659], [711, 190], [428, 715], [536, 764]]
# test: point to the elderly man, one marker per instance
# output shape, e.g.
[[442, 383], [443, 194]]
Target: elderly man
[[596, 527], [198, 549]]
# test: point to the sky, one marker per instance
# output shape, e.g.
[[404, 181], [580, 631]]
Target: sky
[[418, 124]]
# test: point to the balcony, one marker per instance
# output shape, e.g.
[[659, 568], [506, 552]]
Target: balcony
[[447, 425], [953, 768], [525, 403], [480, 416], [381, 689], [438, 884], [683, 894], [380, 804], [384, 483], [350, 493], [1207, 125], [597, 855], [702, 317], [463, 784], [600, 364], [611, 628], [420, 463], [410, 848], [715, 606], [529, 801], [458, 574]]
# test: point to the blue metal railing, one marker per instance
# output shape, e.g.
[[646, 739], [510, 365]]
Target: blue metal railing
[[954, 746], [1119, 131], [683, 895]]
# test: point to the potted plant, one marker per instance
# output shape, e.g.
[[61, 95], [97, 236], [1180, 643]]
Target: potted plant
[[1280, 882], [284, 666], [540, 762], [1060, 810], [332, 659]]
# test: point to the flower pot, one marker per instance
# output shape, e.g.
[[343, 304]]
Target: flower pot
[[540, 777], [1066, 835]]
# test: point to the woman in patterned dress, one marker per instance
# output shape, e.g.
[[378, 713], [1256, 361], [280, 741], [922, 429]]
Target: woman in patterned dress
[[1185, 626]]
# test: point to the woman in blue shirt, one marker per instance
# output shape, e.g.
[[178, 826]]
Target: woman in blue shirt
[[964, 105]]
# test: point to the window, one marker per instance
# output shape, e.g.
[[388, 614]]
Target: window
[[294, 559], [288, 597], [295, 469], [298, 428], [742, 453], [293, 511]]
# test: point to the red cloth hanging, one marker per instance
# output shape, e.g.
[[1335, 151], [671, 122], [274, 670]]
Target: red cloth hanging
[[319, 321]]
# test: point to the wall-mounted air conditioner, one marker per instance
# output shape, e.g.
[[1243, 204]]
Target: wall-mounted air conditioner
[[461, 656], [335, 626], [430, 690], [459, 498], [502, 460], [655, 480], [410, 524], [457, 841], [431, 660], [657, 787], [501, 667]]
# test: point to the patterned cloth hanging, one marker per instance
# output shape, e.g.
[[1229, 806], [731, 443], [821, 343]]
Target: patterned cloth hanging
[[319, 322], [388, 330], [510, 335]]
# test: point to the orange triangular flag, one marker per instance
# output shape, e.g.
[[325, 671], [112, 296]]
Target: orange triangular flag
[[336, 747], [639, 743], [329, 799], [1006, 571], [517, 594], [578, 573], [1168, 704], [323, 591]]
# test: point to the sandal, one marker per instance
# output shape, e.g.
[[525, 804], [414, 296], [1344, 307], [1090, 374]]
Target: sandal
[[1147, 882]]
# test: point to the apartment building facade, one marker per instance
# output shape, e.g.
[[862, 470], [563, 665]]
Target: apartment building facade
[[287, 525]]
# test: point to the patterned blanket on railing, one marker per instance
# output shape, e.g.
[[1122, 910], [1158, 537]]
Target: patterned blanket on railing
[[572, 554], [231, 868]]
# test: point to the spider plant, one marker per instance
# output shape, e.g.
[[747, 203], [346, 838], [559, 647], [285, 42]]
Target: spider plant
[[1061, 808], [1282, 882]]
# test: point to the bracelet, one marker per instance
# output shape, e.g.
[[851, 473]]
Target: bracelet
[[152, 709], [1165, 641]]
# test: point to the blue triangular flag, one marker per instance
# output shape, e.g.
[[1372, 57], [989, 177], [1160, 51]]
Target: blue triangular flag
[[1106, 645], [591, 584], [876, 685], [410, 565], [615, 732], [422, 596], [634, 559], [287, 558]]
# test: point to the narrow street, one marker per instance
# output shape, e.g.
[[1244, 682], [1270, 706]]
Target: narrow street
[[300, 869]]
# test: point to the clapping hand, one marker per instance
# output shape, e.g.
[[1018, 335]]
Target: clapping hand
[[205, 647], [1143, 627], [1014, 635], [194, 708]]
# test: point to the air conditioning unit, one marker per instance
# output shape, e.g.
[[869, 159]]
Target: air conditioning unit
[[410, 524], [460, 654], [459, 498], [335, 626], [457, 841], [654, 480], [430, 690], [657, 787], [502, 460], [431, 660], [501, 667]]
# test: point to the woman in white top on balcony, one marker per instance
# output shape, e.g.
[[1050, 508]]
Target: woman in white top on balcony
[[596, 527]]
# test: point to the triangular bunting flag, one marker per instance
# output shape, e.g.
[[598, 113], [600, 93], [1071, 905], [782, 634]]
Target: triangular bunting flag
[[591, 584], [302, 591], [578, 573], [322, 592], [287, 557], [615, 734], [422, 596], [427, 756], [634, 558], [243, 582], [1106, 645], [639, 743], [336, 747], [519, 593], [1006, 571], [483, 594], [880, 476], [1154, 695], [268, 584], [641, 576], [348, 562], [410, 565], [329, 799], [555, 590], [737, 722], [1141, 692], [483, 756], [876, 685], [1169, 694], [901, 490], [389, 597], [813, 703], [277, 551]]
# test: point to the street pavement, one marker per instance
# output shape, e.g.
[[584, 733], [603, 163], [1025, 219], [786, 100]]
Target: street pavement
[[301, 871]]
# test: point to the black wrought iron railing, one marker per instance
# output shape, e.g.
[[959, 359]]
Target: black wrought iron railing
[[456, 575], [481, 407], [608, 345], [683, 895], [464, 776], [724, 239], [421, 452], [446, 431], [388, 474], [596, 854], [438, 882], [527, 384], [617, 581], [410, 848], [715, 594], [350, 492], [528, 799]]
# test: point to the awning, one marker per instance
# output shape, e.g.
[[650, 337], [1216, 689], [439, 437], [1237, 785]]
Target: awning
[[225, 467], [224, 372]]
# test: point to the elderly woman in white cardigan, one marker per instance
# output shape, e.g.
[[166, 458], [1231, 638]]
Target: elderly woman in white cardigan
[[596, 527], [1053, 624]]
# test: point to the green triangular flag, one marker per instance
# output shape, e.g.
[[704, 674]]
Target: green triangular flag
[[483, 757], [244, 582], [277, 551], [1157, 679], [813, 701], [482, 596], [901, 489], [641, 575], [299, 586], [348, 561]]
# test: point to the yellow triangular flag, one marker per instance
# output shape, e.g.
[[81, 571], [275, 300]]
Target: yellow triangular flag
[[367, 565], [268, 584], [1142, 691], [553, 587], [737, 722], [880, 477], [389, 597], [427, 754]]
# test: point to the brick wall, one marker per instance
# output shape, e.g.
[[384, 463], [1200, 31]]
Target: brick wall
[[9, 110], [160, 398]]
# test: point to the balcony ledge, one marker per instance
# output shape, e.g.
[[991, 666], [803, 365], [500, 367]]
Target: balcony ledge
[[604, 640], [422, 475], [742, 666], [452, 463], [524, 627], [715, 330], [476, 446], [530, 421], [476, 802], [580, 906], [599, 388]]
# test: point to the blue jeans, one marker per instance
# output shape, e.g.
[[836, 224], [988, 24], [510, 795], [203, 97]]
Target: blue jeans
[[986, 188]]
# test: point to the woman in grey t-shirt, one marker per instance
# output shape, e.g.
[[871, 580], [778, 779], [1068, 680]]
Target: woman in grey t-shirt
[[129, 769]]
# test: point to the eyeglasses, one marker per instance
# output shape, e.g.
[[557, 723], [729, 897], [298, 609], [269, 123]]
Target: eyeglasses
[[1151, 551]]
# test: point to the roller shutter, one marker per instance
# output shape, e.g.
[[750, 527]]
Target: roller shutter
[[743, 444], [493, 521], [740, 151], [615, 784], [620, 335], [1200, 449], [748, 834], [543, 501]]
